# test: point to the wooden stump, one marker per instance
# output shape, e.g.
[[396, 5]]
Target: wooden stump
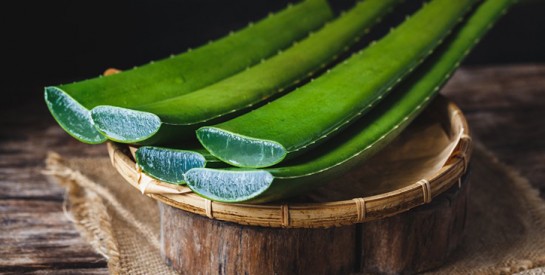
[[417, 240], [194, 244], [414, 241]]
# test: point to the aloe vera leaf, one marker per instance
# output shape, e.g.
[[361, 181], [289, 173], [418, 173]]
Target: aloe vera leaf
[[229, 185], [73, 117], [224, 99], [368, 135], [307, 116], [70, 104], [170, 165], [152, 161]]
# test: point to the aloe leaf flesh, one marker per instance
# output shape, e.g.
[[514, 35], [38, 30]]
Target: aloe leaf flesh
[[309, 115], [72, 116], [229, 185], [368, 135], [142, 123], [183, 73], [168, 165], [224, 99]]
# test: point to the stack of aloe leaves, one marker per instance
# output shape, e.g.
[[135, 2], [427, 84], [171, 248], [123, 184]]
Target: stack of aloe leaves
[[267, 130]]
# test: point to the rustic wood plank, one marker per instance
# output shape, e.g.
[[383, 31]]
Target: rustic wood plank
[[35, 236], [80, 270]]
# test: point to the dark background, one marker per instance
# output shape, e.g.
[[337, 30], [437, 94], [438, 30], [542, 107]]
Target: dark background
[[52, 42]]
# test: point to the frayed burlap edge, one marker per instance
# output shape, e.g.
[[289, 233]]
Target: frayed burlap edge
[[530, 259], [536, 207], [86, 209], [86, 206]]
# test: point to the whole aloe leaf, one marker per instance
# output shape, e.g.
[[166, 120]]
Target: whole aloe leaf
[[294, 123], [70, 104], [176, 119], [360, 140]]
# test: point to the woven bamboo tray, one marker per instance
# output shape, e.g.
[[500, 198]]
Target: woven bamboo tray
[[312, 215]]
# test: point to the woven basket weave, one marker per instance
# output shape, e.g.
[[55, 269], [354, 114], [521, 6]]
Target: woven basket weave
[[313, 215]]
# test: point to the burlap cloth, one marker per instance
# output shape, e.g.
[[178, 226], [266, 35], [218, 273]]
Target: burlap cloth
[[505, 230]]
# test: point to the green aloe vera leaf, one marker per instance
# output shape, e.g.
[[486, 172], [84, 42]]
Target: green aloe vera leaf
[[152, 161], [309, 115], [169, 164], [366, 136], [72, 116], [183, 73], [224, 99], [228, 185]]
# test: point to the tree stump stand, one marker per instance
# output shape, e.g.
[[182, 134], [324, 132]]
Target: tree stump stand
[[414, 241]]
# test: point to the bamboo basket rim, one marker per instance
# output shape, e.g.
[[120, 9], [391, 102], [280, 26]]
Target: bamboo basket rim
[[314, 215]]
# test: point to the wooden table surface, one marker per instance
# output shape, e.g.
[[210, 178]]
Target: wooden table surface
[[505, 106]]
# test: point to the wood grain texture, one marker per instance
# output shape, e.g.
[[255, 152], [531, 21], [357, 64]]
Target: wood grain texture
[[414, 241], [209, 246], [504, 106], [417, 240], [35, 235]]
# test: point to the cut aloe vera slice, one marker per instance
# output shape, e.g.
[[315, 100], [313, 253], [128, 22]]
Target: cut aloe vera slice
[[362, 139], [229, 186], [309, 115], [223, 100], [152, 161], [170, 165], [75, 118], [142, 123], [185, 72]]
